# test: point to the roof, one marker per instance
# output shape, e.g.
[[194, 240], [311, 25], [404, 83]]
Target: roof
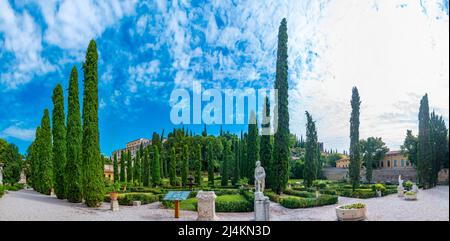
[[390, 153]]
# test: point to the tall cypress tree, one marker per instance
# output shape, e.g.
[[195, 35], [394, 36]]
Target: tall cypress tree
[[36, 161], [198, 165], [235, 165], [281, 153], [59, 142], [355, 152], [424, 147], [45, 155], [146, 172], [92, 163], [226, 161], [311, 161], [266, 145], [173, 167], [155, 167], [185, 166], [116, 168], [253, 146], [210, 157], [440, 145], [123, 158], [129, 167]]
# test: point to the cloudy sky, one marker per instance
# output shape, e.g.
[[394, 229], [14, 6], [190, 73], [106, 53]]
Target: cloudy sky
[[394, 51]]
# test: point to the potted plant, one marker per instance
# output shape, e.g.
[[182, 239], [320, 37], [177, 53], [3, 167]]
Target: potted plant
[[379, 189], [408, 185], [410, 195], [115, 193], [351, 212]]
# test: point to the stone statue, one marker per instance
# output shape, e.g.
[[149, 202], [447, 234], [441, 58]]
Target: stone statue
[[415, 188], [400, 181], [260, 177], [1, 174]]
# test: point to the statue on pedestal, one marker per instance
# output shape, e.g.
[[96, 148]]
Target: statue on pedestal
[[260, 177], [262, 202]]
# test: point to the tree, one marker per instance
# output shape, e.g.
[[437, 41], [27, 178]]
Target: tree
[[146, 169], [59, 142], [235, 166], [12, 164], [173, 167], [281, 151], [73, 173], [311, 162], [45, 155], [137, 167], [409, 147], [129, 167], [198, 165], [266, 145], [155, 167], [123, 157], [185, 166], [373, 151], [226, 161], [210, 156], [253, 146], [424, 152], [355, 152], [116, 168], [439, 142]]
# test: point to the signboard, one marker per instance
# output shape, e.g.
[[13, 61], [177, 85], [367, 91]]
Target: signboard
[[176, 195]]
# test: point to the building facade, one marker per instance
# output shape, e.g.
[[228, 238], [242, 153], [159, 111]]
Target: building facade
[[108, 172], [133, 147], [394, 160], [343, 163]]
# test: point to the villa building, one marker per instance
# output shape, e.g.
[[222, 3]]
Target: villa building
[[343, 163], [133, 147], [394, 160], [108, 172]]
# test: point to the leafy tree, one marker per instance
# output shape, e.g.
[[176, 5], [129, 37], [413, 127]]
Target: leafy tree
[[332, 158], [424, 153], [92, 165], [59, 142], [74, 165], [253, 146], [266, 145], [281, 151], [355, 148], [12, 164], [173, 167], [185, 166], [116, 168], [311, 162], [155, 167], [373, 150], [409, 147], [439, 142]]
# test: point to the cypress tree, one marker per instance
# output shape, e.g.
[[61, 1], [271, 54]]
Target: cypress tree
[[253, 146], [424, 147], [146, 172], [235, 166], [281, 151], [210, 156], [226, 161], [129, 167], [440, 146], [266, 145], [155, 167], [59, 142], [45, 155], [184, 166], [122, 166], [36, 161], [355, 152], [92, 164], [198, 165], [116, 168], [310, 169], [173, 167]]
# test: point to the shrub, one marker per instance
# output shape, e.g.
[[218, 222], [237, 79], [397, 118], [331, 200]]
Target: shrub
[[2, 191], [233, 203], [379, 187], [319, 184], [354, 206], [299, 202], [14, 187], [408, 185], [358, 193], [272, 196], [299, 193], [128, 198], [189, 204]]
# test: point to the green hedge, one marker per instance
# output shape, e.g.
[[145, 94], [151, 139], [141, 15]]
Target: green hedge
[[304, 194], [15, 187], [299, 202], [128, 198], [272, 196], [2, 191], [233, 203]]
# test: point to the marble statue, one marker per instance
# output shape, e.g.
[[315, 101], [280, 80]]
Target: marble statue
[[415, 188], [260, 177], [400, 181]]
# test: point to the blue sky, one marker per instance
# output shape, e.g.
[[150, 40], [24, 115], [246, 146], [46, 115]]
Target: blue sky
[[394, 51]]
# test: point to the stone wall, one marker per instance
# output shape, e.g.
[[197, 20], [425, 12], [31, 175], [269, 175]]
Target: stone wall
[[443, 177], [391, 175], [335, 174]]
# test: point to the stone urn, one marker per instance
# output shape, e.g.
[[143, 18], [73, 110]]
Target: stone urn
[[410, 196], [355, 212], [113, 196], [400, 191]]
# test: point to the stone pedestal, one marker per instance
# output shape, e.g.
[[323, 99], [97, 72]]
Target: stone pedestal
[[400, 191], [262, 209], [206, 206], [114, 205], [137, 203]]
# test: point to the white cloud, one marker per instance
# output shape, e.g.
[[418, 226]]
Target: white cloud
[[16, 132], [143, 74]]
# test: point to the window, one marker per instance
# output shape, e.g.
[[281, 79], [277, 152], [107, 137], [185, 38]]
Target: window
[[395, 163], [402, 163], [388, 163], [381, 164]]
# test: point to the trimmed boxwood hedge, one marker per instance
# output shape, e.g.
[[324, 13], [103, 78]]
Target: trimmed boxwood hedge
[[233, 203], [128, 198], [2, 191], [299, 202], [299, 193]]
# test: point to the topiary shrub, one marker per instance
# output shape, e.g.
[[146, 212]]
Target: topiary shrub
[[408, 185], [272, 196], [299, 193], [233, 203], [299, 202]]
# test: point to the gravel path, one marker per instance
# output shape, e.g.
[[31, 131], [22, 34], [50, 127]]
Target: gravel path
[[433, 204]]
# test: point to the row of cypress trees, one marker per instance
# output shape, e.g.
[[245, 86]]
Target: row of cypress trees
[[66, 158]]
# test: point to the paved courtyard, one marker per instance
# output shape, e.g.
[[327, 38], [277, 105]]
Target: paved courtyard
[[433, 204]]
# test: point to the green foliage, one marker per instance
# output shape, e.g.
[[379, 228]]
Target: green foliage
[[129, 169], [281, 153], [424, 147], [116, 168], [92, 164], [12, 164], [2, 191], [44, 148], [379, 187], [184, 166], [128, 198], [123, 157], [311, 157], [373, 151], [210, 158], [408, 185], [59, 142], [266, 144], [409, 147], [354, 206], [233, 203], [296, 193], [156, 167], [173, 167], [252, 146], [226, 161], [355, 148], [299, 202], [198, 165], [439, 143]]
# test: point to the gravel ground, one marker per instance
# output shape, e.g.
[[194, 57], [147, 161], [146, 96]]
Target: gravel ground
[[432, 204]]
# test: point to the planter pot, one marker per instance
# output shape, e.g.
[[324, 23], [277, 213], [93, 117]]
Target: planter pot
[[351, 214], [379, 194], [114, 196], [411, 197]]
